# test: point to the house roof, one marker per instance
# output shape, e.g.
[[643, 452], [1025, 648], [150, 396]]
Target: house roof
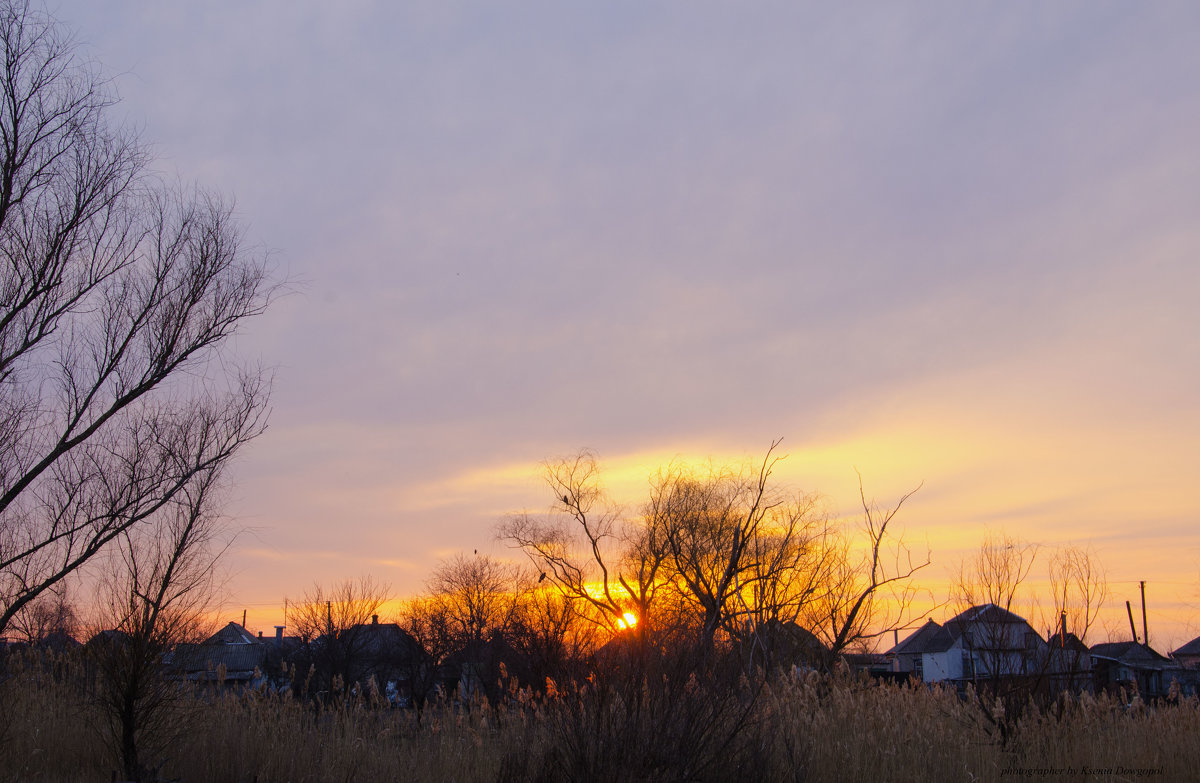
[[1070, 642], [193, 658], [790, 640], [493, 649], [930, 638], [985, 613], [108, 637], [386, 639], [1129, 653], [1191, 648], [232, 634], [934, 638], [59, 640], [921, 641]]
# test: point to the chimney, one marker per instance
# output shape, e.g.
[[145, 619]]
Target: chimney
[[278, 635], [260, 634], [374, 619]]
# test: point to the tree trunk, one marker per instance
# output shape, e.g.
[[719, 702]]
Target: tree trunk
[[129, 750]]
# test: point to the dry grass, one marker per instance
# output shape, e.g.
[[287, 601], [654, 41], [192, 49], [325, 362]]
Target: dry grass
[[810, 728]]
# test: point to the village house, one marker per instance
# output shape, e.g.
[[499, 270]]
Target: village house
[[908, 656], [485, 668], [382, 658], [1069, 662], [981, 643], [1188, 656], [386, 654], [1132, 666], [231, 657], [988, 643]]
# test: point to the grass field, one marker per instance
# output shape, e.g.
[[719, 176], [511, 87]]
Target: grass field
[[806, 727]]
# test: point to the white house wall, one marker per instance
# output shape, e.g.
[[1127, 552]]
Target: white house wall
[[941, 665]]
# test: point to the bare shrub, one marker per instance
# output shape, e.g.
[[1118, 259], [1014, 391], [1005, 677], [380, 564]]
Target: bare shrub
[[660, 718]]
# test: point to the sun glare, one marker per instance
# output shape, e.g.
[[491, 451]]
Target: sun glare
[[627, 620]]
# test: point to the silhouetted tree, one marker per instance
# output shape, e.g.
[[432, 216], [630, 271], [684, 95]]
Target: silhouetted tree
[[472, 610], [720, 551], [332, 624], [429, 622], [996, 574], [586, 548], [740, 550], [477, 595], [869, 576], [552, 633], [1080, 587], [117, 299], [156, 595], [51, 614]]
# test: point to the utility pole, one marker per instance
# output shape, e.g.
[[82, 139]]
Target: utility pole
[[1132, 629], [1145, 628]]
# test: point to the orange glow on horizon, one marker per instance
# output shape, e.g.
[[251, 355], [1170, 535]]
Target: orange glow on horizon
[[615, 589], [970, 485]]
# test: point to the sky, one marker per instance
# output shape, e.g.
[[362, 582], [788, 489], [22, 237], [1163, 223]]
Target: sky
[[951, 245]]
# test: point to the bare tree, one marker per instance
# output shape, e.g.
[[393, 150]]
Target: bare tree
[[1003, 654], [428, 621], [790, 566], [158, 593], [117, 297], [721, 550], [706, 524], [333, 627], [52, 614], [746, 555], [553, 632], [474, 602], [478, 595], [996, 574], [990, 586], [1080, 587], [585, 547], [471, 600], [869, 578]]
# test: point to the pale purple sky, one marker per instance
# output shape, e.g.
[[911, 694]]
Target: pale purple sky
[[944, 242]]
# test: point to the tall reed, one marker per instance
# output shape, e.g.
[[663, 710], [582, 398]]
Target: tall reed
[[807, 727]]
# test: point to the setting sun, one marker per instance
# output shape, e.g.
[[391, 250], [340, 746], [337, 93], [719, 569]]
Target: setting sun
[[627, 620]]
